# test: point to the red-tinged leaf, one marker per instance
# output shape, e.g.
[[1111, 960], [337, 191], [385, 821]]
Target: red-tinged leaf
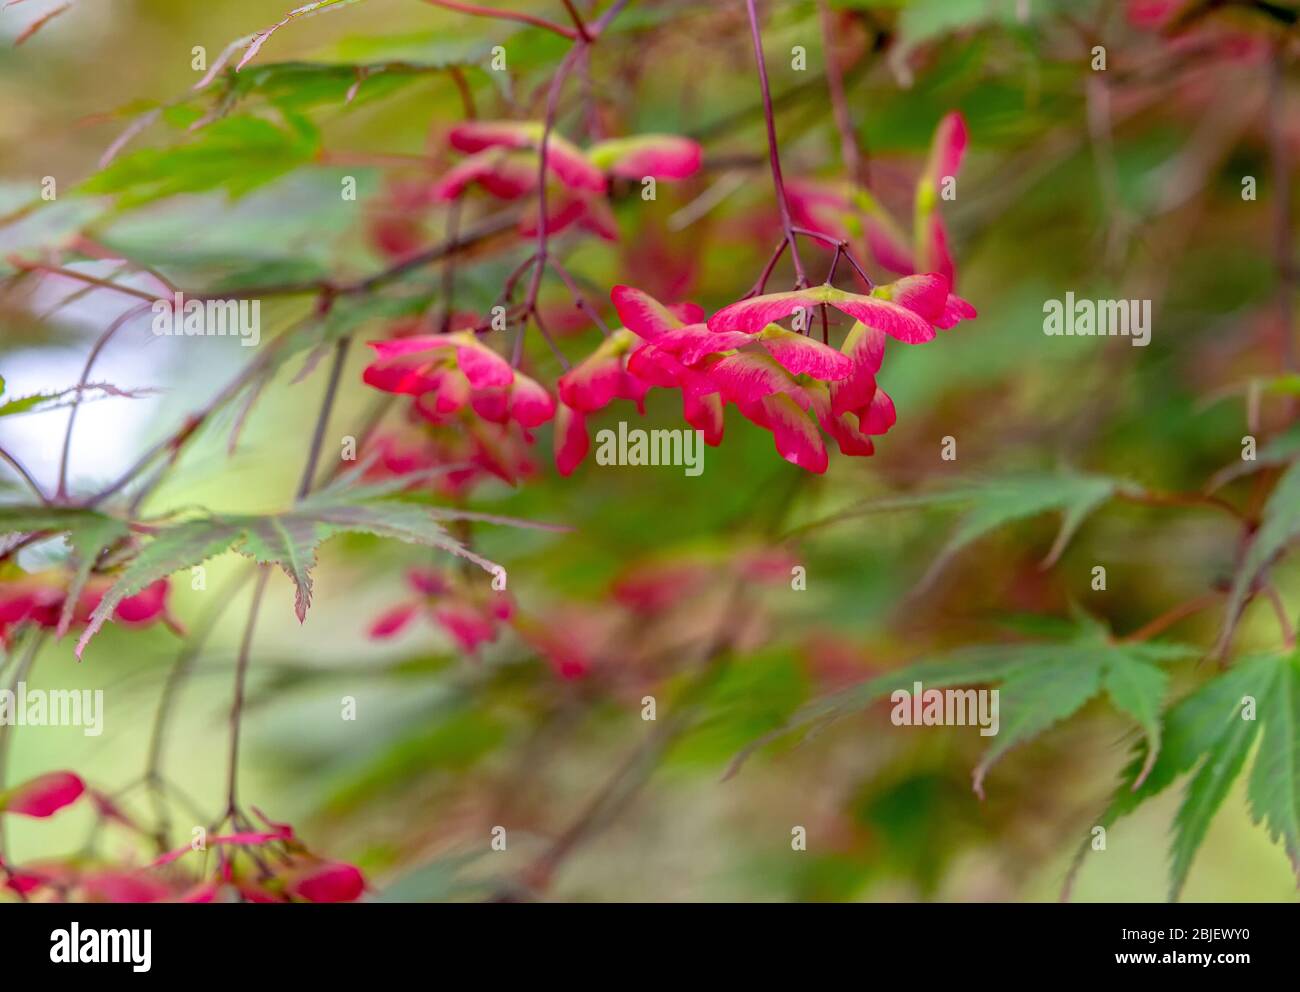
[[641, 313], [249, 839], [492, 404], [819, 208], [145, 606], [594, 382], [753, 314], [663, 156], [797, 439], [704, 413], [936, 255], [571, 439], [799, 354], [122, 887], [482, 366], [748, 376], [947, 148], [427, 582], [598, 218], [262, 37], [412, 365], [923, 294], [437, 397], [530, 404], [955, 310], [466, 624], [897, 321], [888, 249], [656, 366], [865, 347], [394, 621], [43, 796], [505, 175], [39, 23], [692, 343], [879, 415], [566, 161], [687, 313], [202, 892], [329, 881], [559, 216]]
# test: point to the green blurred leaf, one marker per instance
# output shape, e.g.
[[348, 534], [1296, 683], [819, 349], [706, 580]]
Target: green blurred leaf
[[1042, 683], [236, 154], [1279, 525]]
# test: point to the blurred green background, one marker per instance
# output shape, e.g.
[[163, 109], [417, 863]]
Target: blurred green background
[[1142, 201]]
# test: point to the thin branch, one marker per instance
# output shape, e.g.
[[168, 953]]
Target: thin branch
[[578, 23], [855, 162], [1284, 262], [56, 270], [774, 158], [61, 492], [1172, 616], [322, 420], [27, 477], [506, 15], [241, 678], [1283, 621]]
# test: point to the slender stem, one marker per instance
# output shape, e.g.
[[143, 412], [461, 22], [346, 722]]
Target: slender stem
[[55, 270], [241, 678], [506, 15], [774, 158], [33, 646], [497, 223], [167, 700], [27, 477], [449, 266], [578, 23], [61, 492], [494, 225], [761, 283], [1152, 498], [1172, 616], [1283, 621], [850, 151], [1284, 262], [543, 232], [322, 420]]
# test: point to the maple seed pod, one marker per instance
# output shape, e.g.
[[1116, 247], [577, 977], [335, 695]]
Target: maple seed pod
[[44, 796], [329, 881]]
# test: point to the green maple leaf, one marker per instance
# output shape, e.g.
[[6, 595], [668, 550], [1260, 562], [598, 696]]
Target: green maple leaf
[[1210, 734], [1041, 684], [991, 504], [1279, 525], [290, 540]]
